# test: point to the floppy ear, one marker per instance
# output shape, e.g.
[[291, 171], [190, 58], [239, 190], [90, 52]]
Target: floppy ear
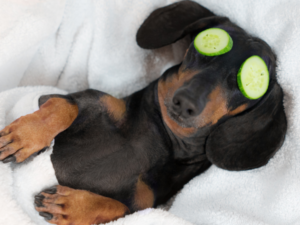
[[171, 23], [250, 139]]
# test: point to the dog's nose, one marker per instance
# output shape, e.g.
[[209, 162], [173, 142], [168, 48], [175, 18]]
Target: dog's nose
[[185, 106]]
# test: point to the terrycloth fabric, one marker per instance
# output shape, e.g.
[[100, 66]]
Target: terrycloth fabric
[[75, 44], [19, 183]]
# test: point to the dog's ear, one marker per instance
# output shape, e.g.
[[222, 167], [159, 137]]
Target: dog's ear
[[168, 24], [249, 140]]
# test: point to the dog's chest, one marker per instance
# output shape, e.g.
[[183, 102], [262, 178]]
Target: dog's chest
[[102, 162]]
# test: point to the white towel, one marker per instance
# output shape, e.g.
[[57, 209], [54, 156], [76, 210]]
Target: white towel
[[75, 44]]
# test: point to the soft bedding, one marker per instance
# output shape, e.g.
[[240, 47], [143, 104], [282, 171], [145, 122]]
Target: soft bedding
[[72, 45]]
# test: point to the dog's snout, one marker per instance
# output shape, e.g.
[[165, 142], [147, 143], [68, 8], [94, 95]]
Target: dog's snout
[[185, 106]]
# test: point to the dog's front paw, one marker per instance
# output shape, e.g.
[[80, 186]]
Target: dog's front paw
[[23, 137], [64, 206]]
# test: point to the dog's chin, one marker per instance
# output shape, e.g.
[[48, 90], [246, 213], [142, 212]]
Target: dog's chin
[[178, 119]]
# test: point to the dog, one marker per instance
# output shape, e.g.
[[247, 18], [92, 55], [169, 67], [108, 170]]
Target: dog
[[115, 156]]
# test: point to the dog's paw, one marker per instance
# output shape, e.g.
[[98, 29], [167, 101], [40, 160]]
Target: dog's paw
[[63, 206], [23, 137], [50, 205]]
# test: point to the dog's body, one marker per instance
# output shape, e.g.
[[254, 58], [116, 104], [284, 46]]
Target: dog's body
[[139, 151], [118, 152]]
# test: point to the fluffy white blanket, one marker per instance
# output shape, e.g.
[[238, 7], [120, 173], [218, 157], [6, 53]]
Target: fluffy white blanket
[[75, 44]]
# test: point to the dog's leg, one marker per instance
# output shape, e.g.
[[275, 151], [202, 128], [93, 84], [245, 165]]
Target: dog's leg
[[31, 133], [63, 205]]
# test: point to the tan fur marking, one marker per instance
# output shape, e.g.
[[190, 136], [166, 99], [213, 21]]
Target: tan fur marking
[[238, 110], [115, 107], [144, 197], [81, 207], [33, 132], [58, 113], [214, 109]]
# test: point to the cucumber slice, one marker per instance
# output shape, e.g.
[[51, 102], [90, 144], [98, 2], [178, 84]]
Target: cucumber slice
[[253, 77], [213, 41]]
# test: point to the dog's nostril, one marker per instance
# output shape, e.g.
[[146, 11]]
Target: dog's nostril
[[176, 101], [190, 112]]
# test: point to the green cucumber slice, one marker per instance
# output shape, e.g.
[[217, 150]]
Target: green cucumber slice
[[213, 41], [253, 77]]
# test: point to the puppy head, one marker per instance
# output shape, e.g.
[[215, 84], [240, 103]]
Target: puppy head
[[202, 97]]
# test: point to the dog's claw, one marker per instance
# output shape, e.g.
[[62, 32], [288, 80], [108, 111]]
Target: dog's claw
[[51, 190], [9, 159], [39, 196], [38, 200], [47, 216], [38, 203]]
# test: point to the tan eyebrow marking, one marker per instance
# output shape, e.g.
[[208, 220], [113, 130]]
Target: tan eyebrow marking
[[238, 110]]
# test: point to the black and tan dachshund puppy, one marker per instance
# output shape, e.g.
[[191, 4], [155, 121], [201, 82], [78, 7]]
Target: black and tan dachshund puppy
[[116, 156]]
